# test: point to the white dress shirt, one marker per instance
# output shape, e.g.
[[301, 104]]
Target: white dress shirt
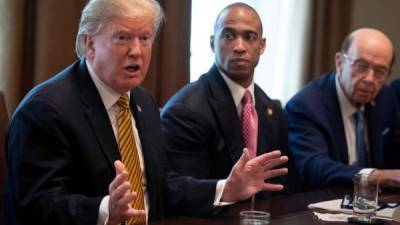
[[237, 93], [349, 123], [110, 98]]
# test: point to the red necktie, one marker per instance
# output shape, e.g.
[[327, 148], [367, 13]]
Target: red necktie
[[249, 124]]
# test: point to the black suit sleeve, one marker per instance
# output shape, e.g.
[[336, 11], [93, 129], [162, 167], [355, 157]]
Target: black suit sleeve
[[182, 195], [311, 146], [185, 135], [41, 164], [189, 165], [391, 136]]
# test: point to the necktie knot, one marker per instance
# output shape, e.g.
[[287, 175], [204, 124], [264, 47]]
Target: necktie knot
[[247, 99], [123, 102], [359, 116]]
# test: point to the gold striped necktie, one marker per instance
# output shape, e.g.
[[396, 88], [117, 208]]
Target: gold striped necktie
[[129, 156]]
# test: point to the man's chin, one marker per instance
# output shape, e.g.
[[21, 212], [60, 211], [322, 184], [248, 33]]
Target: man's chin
[[132, 85], [240, 73], [127, 86], [362, 101], [134, 82]]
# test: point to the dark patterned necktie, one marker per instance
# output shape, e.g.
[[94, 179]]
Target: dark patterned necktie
[[361, 146]]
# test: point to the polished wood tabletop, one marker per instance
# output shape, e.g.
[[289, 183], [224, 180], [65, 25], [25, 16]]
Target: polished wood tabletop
[[285, 210]]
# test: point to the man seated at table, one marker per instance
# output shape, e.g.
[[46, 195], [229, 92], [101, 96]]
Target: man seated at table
[[85, 147], [209, 122], [348, 121]]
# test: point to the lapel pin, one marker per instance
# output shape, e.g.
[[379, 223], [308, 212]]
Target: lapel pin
[[373, 103], [270, 112], [139, 108]]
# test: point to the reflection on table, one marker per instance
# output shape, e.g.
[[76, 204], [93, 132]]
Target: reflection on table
[[285, 210]]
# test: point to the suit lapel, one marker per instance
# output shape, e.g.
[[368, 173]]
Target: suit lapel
[[264, 111], [151, 146], [334, 114], [223, 105], [140, 119], [374, 129], [97, 116]]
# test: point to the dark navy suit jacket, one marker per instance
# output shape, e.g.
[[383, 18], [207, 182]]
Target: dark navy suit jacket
[[203, 130], [61, 149], [395, 85], [317, 142]]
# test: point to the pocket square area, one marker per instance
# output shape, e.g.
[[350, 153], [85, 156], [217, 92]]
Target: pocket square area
[[385, 131]]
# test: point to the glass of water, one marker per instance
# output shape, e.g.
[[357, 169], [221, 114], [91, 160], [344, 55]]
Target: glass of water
[[253, 217], [365, 201]]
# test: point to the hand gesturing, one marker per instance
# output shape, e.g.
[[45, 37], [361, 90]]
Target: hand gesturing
[[248, 175], [119, 204]]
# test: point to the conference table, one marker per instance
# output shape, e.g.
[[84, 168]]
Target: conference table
[[285, 209]]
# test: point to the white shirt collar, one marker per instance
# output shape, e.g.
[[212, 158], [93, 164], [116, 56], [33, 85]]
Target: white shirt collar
[[236, 90], [107, 94], [346, 107]]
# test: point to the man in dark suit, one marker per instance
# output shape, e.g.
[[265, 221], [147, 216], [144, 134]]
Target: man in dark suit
[[348, 121], [85, 147], [202, 122], [395, 85]]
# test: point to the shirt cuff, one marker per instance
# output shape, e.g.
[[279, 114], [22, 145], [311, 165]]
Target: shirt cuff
[[218, 194], [102, 219], [366, 171]]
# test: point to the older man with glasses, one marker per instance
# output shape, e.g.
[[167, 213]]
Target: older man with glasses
[[348, 122]]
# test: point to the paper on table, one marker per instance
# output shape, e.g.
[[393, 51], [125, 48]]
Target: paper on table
[[334, 205], [339, 217]]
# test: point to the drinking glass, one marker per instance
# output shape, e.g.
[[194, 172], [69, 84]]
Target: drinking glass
[[365, 201], [252, 217]]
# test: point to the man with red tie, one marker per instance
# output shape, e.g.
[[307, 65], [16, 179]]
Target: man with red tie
[[209, 122]]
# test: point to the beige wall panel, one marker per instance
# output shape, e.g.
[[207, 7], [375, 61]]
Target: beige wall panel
[[384, 15], [11, 24], [57, 24]]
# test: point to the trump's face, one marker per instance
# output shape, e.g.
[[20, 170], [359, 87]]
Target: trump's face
[[120, 52]]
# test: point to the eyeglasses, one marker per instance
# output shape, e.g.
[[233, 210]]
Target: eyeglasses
[[362, 66], [347, 203]]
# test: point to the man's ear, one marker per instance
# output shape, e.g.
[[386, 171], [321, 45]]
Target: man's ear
[[339, 62], [90, 50], [212, 42], [263, 46]]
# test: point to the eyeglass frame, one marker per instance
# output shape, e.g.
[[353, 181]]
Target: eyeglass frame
[[368, 65], [347, 203]]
